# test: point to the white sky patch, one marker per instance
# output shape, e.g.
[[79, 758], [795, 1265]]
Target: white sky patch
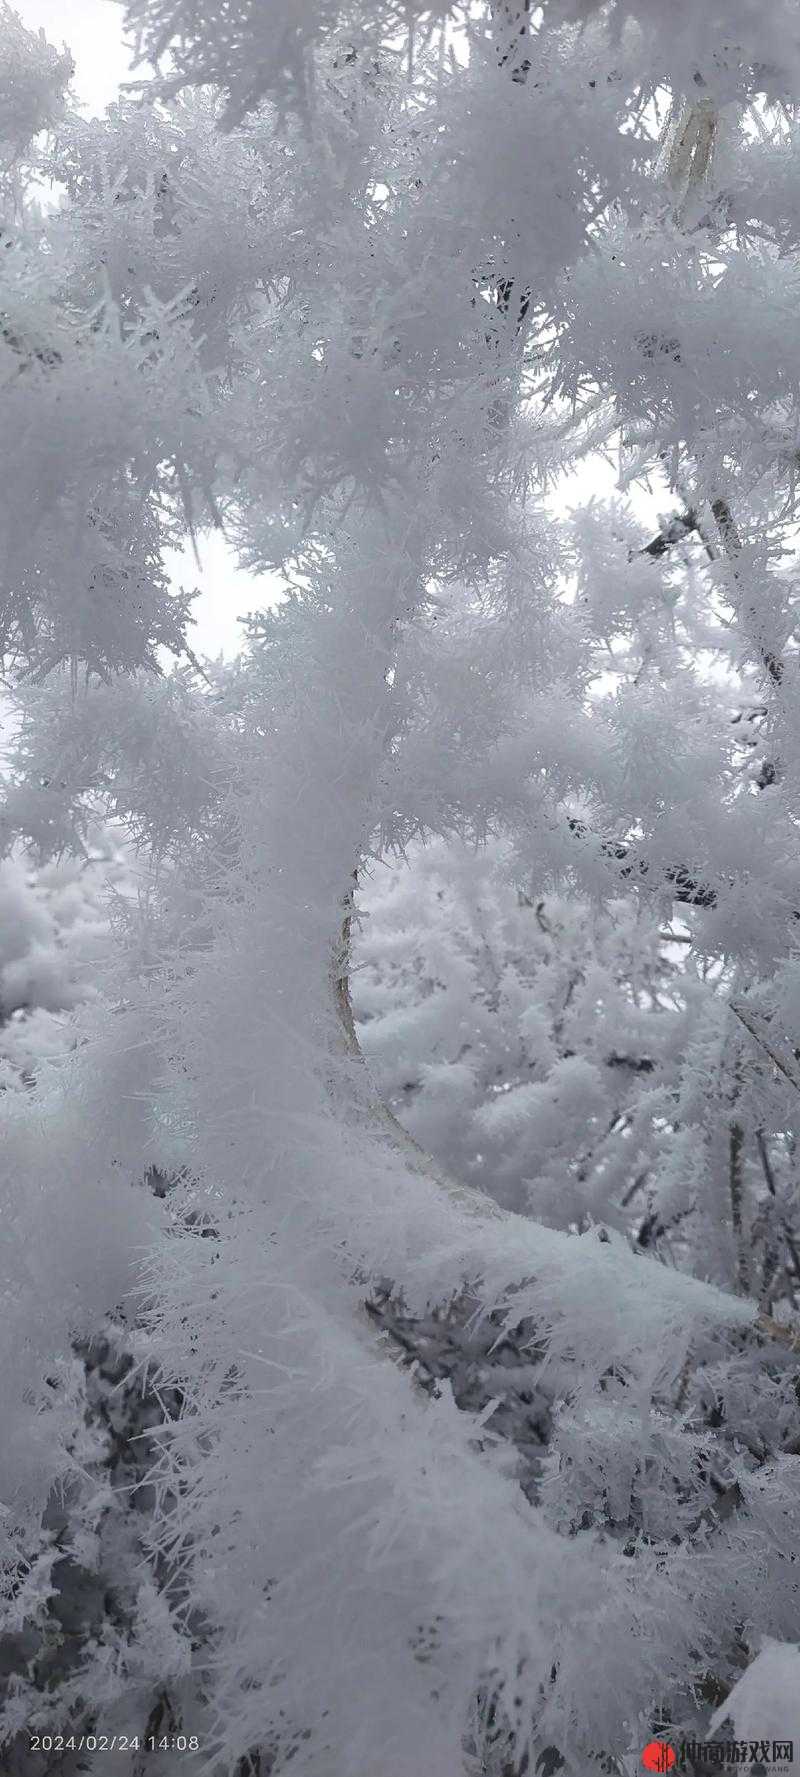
[[227, 593], [92, 31]]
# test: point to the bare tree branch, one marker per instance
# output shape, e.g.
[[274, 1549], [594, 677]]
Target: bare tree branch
[[678, 528], [747, 1020], [736, 1190]]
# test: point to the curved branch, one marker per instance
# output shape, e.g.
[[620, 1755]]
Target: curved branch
[[467, 1197]]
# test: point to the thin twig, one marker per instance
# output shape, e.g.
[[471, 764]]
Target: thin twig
[[766, 1165], [735, 1186], [745, 1019]]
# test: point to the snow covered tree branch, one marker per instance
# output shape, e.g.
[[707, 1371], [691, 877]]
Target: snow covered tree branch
[[460, 1333]]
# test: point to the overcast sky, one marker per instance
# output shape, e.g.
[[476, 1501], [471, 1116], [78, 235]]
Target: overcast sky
[[92, 30]]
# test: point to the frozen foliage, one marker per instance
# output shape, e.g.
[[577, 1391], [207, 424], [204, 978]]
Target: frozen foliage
[[32, 80], [88, 1597], [767, 1691], [252, 48], [55, 937], [574, 1063], [139, 750], [56, 943], [417, 1420]]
